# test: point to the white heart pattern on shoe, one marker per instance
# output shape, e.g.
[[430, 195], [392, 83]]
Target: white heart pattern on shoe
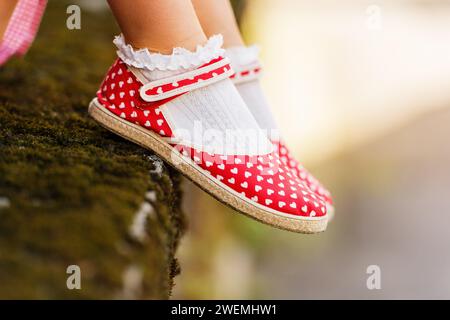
[[241, 178], [247, 176], [311, 182]]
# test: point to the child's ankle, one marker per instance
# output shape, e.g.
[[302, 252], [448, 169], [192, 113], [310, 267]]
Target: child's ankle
[[166, 46]]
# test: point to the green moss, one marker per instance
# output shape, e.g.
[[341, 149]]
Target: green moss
[[73, 187]]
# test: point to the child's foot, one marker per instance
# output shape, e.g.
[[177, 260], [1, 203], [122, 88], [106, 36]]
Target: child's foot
[[184, 108], [244, 61]]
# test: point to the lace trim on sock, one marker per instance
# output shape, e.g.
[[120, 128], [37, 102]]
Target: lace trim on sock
[[180, 57]]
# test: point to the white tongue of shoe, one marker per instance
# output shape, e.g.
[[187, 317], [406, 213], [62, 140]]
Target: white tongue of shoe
[[251, 92], [214, 118], [241, 58]]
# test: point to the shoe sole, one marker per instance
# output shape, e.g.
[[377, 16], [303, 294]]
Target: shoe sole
[[152, 141]]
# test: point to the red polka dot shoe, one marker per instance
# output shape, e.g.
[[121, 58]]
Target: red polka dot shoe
[[159, 115], [304, 175], [248, 70]]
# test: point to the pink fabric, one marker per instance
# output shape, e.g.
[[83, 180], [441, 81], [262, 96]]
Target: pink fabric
[[22, 28]]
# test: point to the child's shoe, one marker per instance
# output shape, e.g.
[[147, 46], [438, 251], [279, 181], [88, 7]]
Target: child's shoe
[[244, 61], [185, 108]]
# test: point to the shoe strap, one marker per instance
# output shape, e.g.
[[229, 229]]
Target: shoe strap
[[212, 72], [248, 73]]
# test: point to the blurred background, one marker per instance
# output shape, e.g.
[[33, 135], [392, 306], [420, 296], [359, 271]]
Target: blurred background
[[361, 91]]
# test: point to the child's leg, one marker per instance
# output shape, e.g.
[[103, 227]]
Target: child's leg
[[6, 10], [217, 17], [158, 25], [177, 100]]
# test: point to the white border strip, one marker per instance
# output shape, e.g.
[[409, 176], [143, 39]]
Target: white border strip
[[188, 75]]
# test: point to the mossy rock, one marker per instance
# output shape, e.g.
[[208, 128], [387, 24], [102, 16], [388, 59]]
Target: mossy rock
[[72, 193]]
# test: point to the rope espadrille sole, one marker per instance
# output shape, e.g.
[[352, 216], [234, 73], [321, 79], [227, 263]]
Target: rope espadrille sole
[[152, 141]]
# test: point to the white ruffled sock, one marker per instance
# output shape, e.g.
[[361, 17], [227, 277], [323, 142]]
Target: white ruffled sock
[[251, 91], [214, 118]]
